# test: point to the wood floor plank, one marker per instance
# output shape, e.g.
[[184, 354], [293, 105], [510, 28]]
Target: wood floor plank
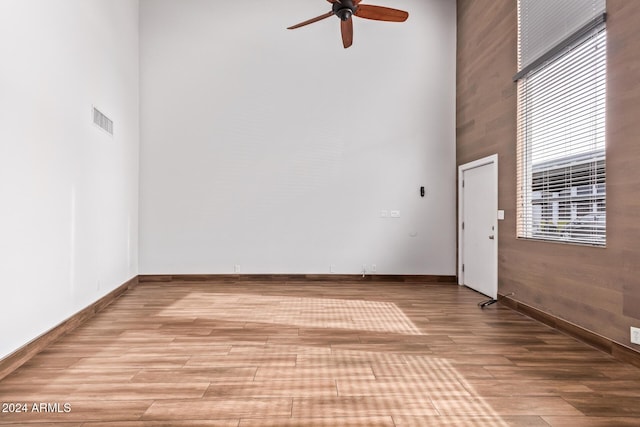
[[491, 406], [36, 423], [546, 372], [243, 360], [341, 357], [52, 376], [406, 387], [196, 375], [275, 388], [221, 408], [308, 353], [363, 406], [469, 421], [320, 422], [132, 361], [38, 392], [94, 410], [279, 349], [300, 373], [429, 369], [137, 391], [521, 387], [559, 421], [623, 388], [606, 405], [174, 423]]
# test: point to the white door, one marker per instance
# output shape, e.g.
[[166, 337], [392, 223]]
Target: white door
[[478, 227]]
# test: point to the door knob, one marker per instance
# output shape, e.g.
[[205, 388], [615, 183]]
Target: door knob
[[491, 237]]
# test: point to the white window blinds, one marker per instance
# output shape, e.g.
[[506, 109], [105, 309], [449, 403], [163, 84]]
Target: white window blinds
[[561, 124], [545, 24]]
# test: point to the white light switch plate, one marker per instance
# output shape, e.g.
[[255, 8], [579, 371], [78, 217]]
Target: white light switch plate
[[501, 215]]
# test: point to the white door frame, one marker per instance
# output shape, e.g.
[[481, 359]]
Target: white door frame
[[492, 159]]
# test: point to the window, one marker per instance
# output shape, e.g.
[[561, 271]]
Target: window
[[561, 121]]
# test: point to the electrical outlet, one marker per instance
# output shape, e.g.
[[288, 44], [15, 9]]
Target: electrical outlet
[[236, 268], [332, 268], [395, 214], [635, 335], [373, 268]]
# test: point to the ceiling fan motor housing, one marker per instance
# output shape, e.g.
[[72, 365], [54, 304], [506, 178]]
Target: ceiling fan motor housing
[[344, 10]]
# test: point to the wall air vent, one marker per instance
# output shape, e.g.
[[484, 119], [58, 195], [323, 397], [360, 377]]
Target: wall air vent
[[103, 121]]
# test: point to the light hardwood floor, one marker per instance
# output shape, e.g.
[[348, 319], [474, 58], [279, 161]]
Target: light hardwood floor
[[307, 353]]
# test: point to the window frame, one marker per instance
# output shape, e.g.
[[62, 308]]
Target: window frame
[[594, 162]]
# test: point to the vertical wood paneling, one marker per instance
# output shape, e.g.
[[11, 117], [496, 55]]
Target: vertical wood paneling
[[597, 289], [623, 151]]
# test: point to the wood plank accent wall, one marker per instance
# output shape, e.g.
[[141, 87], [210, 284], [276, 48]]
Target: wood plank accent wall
[[597, 289]]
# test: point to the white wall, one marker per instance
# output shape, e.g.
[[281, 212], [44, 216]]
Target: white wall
[[277, 150], [68, 190]]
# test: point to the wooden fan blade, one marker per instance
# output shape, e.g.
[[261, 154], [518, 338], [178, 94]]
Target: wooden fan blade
[[311, 21], [379, 13], [346, 27]]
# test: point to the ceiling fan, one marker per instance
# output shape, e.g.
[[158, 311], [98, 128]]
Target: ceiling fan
[[345, 9]]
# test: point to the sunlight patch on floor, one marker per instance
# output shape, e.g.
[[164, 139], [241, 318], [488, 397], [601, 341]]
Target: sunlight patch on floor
[[372, 316]]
